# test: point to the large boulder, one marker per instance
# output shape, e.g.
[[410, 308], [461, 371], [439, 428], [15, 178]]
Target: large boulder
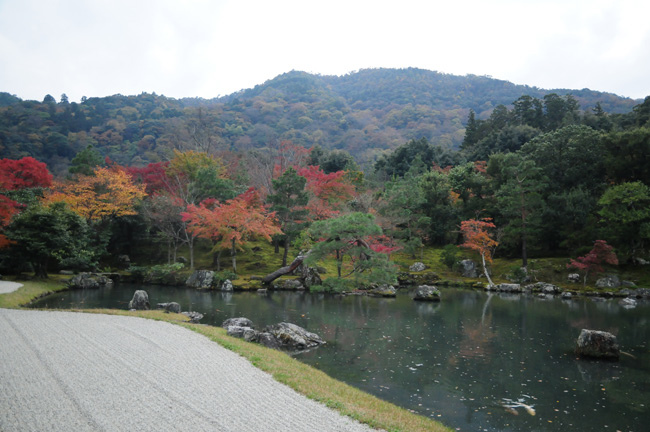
[[289, 284], [194, 316], [90, 281], [609, 281], [597, 344], [544, 287], [468, 269], [383, 291], [506, 287], [200, 279], [573, 277], [427, 293], [310, 276], [227, 285], [171, 307], [239, 322], [417, 267], [293, 337], [628, 303], [140, 300]]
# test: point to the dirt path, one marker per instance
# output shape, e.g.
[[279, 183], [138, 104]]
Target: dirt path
[[63, 371]]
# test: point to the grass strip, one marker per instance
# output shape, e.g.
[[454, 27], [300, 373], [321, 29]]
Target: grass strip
[[304, 379]]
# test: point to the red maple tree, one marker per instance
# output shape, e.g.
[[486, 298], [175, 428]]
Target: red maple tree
[[329, 191], [593, 261]]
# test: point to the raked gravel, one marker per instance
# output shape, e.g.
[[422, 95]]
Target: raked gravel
[[65, 371]]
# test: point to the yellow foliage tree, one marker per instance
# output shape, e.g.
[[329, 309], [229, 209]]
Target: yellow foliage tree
[[110, 192]]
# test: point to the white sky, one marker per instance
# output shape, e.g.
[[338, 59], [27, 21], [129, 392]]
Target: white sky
[[212, 47]]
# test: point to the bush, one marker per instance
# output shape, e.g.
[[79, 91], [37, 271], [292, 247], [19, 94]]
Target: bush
[[332, 284], [220, 277], [517, 274], [449, 256], [166, 274]]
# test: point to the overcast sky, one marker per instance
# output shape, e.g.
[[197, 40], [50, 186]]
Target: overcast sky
[[208, 48]]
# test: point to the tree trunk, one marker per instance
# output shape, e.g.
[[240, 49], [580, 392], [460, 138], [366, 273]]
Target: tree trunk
[[286, 251], [524, 253], [285, 270], [233, 254], [276, 245], [40, 269], [485, 270]]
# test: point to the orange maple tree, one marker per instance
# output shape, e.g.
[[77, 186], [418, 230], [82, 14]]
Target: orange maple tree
[[233, 223], [477, 237], [110, 192]]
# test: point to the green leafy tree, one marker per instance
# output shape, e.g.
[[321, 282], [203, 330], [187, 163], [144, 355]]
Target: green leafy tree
[[54, 234], [520, 200], [346, 239], [438, 206], [288, 202], [625, 209], [86, 161], [401, 208]]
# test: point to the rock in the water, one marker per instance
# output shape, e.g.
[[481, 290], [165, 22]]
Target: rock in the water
[[239, 322], [417, 267], [598, 344], [90, 281], [383, 291], [293, 337], [642, 292], [227, 285], [268, 340], [468, 269], [598, 299], [246, 333], [609, 281], [172, 307], [140, 300], [200, 279], [567, 295], [427, 293], [628, 303], [194, 317], [544, 287], [574, 277], [506, 287]]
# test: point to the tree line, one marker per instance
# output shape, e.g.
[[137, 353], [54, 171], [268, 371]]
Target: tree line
[[548, 178]]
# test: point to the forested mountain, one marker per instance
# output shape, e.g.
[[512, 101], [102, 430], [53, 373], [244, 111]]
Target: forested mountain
[[364, 113]]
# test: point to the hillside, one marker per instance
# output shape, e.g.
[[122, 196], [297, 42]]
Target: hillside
[[365, 113]]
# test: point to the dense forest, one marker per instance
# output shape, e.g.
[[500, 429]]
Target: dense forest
[[535, 173], [365, 113]]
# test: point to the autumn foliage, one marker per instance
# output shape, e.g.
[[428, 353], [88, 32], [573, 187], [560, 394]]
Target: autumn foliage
[[329, 191], [110, 192], [476, 236], [15, 175], [233, 223], [592, 262], [23, 173]]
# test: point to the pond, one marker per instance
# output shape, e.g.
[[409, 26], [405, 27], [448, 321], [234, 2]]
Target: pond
[[475, 362]]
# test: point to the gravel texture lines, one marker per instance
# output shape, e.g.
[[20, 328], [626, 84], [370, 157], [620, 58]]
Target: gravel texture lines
[[62, 371]]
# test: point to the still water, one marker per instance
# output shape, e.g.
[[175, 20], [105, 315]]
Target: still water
[[475, 362]]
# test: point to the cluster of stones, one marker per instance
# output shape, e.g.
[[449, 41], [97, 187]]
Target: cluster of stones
[[140, 301], [90, 281], [286, 336]]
